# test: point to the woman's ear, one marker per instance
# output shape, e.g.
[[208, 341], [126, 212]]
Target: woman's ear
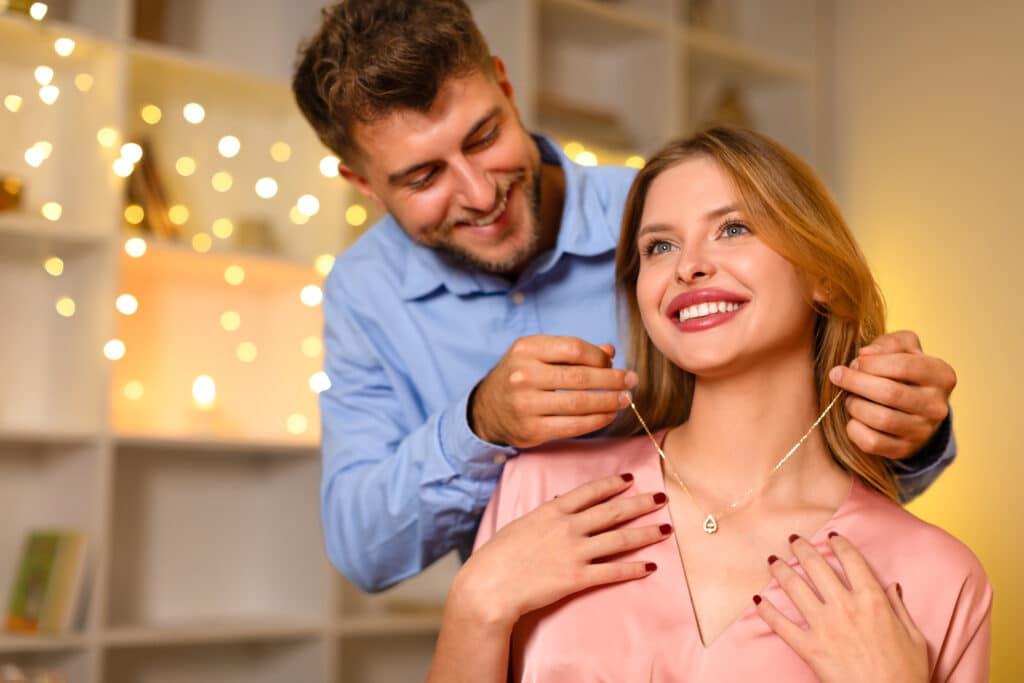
[[822, 292]]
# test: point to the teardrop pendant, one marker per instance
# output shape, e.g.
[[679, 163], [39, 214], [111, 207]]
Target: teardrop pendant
[[710, 524]]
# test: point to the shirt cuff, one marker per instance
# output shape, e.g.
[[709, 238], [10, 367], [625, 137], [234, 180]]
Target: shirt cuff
[[465, 451], [932, 454]]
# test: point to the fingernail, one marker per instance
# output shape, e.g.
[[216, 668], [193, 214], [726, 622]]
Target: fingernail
[[793, 537], [665, 529], [757, 599], [627, 477], [855, 364], [835, 374], [632, 379], [772, 559], [625, 398], [832, 534], [899, 591], [650, 566], [660, 498]]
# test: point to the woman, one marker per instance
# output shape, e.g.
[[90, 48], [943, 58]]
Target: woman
[[743, 286]]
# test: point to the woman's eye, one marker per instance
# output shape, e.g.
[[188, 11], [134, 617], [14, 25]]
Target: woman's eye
[[735, 230], [658, 247]]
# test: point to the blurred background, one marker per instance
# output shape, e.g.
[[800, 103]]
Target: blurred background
[[167, 219]]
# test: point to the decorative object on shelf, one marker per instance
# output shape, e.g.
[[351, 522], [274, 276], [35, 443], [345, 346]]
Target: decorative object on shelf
[[586, 121], [150, 20], [9, 673], [10, 192], [708, 15], [47, 588], [729, 108], [146, 188]]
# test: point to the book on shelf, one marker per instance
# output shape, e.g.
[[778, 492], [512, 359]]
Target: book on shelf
[[48, 585]]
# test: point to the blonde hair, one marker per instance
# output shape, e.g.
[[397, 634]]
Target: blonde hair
[[795, 215]]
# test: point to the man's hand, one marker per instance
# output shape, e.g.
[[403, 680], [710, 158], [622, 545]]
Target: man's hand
[[898, 395], [546, 388]]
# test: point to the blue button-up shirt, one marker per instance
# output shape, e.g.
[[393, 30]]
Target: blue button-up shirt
[[408, 335]]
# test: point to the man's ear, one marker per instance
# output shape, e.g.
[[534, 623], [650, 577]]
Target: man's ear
[[506, 85], [361, 184]]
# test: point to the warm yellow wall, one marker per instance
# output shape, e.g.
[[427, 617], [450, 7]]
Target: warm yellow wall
[[930, 171]]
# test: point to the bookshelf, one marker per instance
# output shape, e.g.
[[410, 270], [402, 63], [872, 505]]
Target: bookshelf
[[207, 562]]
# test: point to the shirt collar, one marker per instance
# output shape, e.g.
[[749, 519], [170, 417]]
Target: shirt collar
[[582, 232]]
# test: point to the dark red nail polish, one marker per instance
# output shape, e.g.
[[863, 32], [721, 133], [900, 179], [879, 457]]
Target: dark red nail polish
[[650, 566], [899, 591], [627, 477], [793, 537], [665, 528], [660, 498], [772, 559], [757, 599], [832, 534]]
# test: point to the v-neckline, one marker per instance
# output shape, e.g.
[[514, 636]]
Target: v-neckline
[[681, 564]]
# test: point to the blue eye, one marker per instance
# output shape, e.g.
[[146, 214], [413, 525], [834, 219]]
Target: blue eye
[[657, 247], [734, 230]]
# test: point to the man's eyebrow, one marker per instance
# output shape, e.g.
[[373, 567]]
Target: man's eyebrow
[[395, 178]]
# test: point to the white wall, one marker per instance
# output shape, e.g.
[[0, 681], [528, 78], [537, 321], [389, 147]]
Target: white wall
[[929, 125]]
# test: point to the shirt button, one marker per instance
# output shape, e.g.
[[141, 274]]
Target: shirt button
[[500, 459], [518, 297]]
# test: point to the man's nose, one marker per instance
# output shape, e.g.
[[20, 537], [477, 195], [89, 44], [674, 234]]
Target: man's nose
[[476, 188]]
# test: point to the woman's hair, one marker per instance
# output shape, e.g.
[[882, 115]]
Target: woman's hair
[[794, 214]]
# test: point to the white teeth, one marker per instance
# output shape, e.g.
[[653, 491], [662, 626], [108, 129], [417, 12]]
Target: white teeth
[[494, 215], [707, 308]]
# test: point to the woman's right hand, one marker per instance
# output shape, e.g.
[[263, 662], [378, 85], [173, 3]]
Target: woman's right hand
[[558, 549]]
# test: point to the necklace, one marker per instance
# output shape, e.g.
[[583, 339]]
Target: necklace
[[712, 521]]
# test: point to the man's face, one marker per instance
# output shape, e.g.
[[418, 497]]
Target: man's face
[[462, 177]]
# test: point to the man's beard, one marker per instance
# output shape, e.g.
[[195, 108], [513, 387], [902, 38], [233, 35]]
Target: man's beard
[[514, 263]]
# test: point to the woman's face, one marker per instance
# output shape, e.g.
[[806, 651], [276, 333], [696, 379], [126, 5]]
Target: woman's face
[[714, 298]]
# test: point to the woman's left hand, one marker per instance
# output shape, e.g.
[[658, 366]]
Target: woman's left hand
[[856, 631]]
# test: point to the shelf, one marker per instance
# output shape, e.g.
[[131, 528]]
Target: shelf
[[714, 51], [390, 624], [215, 447], [212, 632], [615, 19], [10, 643], [27, 235], [40, 437], [22, 28]]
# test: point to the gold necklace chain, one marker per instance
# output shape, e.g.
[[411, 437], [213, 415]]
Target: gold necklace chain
[[711, 522]]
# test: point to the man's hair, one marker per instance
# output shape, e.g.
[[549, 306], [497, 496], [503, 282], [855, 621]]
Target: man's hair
[[373, 57]]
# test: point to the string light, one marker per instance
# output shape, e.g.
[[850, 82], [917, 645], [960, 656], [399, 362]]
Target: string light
[[311, 295], [323, 264], [49, 94], [280, 152], [114, 349], [52, 211], [151, 114], [266, 188], [13, 103], [185, 166], [230, 321], [572, 149], [312, 347], [234, 275], [54, 266], [64, 46], [178, 214], [202, 242], [84, 82], [204, 392], [222, 228], [308, 205], [133, 390], [297, 217], [134, 214], [135, 247], [297, 424], [44, 75], [246, 352], [34, 157], [107, 137], [229, 146], [38, 10], [194, 113], [126, 304], [123, 167], [635, 162], [586, 158], [355, 215], [319, 382], [131, 152], [329, 166], [65, 306], [222, 181]]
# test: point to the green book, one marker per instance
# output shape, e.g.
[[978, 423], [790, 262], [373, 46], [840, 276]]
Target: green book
[[47, 586]]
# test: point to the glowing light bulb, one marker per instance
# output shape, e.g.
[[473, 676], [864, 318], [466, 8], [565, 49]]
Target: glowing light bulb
[[266, 188], [126, 304], [114, 349], [34, 157], [246, 352], [329, 166], [131, 152], [308, 205], [312, 347], [280, 152], [133, 390], [84, 82], [234, 275], [44, 147], [635, 162], [49, 94], [323, 264], [135, 247], [13, 103], [123, 167], [204, 392], [586, 158], [297, 424], [134, 214], [64, 47], [229, 146], [185, 166], [297, 217], [65, 306], [54, 266], [230, 321], [194, 113], [178, 214], [311, 295], [151, 114], [107, 137], [202, 242], [355, 215], [572, 149], [319, 382], [43, 75], [38, 10], [52, 211], [222, 228], [222, 181]]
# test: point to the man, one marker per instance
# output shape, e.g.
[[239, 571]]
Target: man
[[477, 318]]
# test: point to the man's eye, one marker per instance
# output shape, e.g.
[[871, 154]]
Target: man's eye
[[485, 140], [423, 180]]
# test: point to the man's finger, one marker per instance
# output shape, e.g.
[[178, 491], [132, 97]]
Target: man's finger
[[565, 350], [893, 422], [874, 442], [910, 368], [887, 392], [554, 403], [901, 341], [583, 378], [569, 427]]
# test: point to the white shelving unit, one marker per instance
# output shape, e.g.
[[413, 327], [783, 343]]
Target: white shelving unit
[[206, 557]]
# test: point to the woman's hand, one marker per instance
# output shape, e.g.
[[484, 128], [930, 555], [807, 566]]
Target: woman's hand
[[557, 550], [857, 632]]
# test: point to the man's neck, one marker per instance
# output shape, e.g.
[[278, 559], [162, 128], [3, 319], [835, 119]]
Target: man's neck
[[552, 204]]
